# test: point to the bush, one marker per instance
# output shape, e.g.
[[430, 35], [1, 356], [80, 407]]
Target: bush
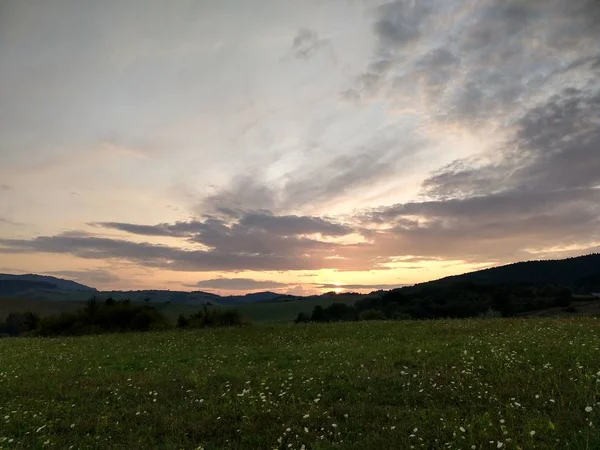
[[491, 314], [18, 323], [110, 317], [318, 314], [391, 310], [302, 318], [182, 322]]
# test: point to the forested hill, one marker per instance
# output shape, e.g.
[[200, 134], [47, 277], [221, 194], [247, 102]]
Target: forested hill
[[582, 274], [15, 283]]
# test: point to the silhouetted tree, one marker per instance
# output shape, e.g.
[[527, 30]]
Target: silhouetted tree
[[182, 322], [318, 314], [302, 318]]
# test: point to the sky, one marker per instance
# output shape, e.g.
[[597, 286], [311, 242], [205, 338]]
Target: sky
[[300, 146]]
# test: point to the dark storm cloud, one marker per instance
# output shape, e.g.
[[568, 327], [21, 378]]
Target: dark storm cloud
[[239, 284]]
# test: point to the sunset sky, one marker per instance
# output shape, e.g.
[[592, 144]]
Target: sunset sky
[[298, 145]]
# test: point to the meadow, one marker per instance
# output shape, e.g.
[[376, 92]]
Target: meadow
[[447, 384], [261, 312]]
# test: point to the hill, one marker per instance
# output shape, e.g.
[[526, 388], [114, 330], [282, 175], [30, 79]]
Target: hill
[[11, 284], [581, 274], [536, 286]]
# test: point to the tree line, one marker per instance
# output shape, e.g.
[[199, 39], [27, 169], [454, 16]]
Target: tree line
[[434, 301], [111, 316]]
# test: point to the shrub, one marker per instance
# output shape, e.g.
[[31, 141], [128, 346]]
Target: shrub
[[97, 318], [18, 323], [318, 314], [182, 322], [490, 314], [302, 318]]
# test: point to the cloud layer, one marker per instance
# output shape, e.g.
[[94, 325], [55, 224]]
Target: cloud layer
[[307, 140]]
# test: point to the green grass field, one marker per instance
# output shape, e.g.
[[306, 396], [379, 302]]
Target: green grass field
[[274, 312], [518, 383]]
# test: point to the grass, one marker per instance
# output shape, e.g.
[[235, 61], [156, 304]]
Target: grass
[[519, 383], [272, 312], [286, 312]]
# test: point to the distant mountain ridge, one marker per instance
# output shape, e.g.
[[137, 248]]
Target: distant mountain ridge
[[580, 274], [32, 281]]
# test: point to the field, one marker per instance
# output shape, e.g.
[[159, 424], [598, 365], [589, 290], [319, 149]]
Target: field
[[272, 312], [267, 312], [489, 384]]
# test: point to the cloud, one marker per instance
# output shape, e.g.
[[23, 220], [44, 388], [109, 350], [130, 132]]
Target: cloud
[[239, 284], [541, 188], [89, 277], [307, 43], [143, 230], [347, 173], [400, 22], [249, 223], [251, 254], [293, 225], [349, 170], [245, 193], [554, 148], [10, 222], [477, 62], [360, 287], [518, 78]]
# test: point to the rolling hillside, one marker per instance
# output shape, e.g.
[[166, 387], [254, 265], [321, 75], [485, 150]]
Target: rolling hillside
[[582, 274], [31, 281], [44, 294]]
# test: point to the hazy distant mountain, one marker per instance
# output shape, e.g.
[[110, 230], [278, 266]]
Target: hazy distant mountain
[[254, 297], [12, 287], [30, 281], [580, 274]]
